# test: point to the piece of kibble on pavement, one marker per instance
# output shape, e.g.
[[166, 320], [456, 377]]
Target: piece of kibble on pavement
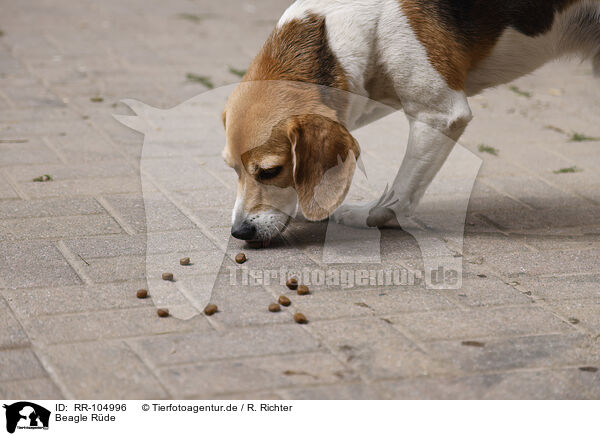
[[300, 318], [211, 309], [240, 258], [163, 313], [303, 290], [274, 307], [185, 261], [142, 293], [167, 276], [284, 301], [292, 284]]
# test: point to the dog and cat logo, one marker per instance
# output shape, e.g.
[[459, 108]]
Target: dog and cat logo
[[26, 416]]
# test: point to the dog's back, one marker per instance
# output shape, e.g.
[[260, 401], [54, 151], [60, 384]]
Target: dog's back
[[472, 44], [506, 39]]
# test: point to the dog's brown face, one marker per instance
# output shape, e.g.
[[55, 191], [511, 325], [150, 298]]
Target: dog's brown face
[[287, 149]]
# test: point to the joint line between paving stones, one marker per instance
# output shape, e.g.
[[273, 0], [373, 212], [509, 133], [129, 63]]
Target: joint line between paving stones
[[7, 99], [13, 184], [192, 363], [73, 262], [189, 215], [115, 215], [38, 351], [462, 373], [55, 150], [150, 368], [506, 194], [280, 388]]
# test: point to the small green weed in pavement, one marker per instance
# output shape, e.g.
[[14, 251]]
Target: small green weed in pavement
[[96, 99], [568, 170], [239, 73], [520, 92], [44, 178], [555, 129], [194, 18], [581, 137], [483, 148], [205, 80]]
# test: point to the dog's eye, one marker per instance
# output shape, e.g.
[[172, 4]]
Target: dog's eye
[[269, 173]]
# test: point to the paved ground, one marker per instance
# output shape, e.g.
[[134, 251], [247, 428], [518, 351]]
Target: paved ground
[[72, 249]]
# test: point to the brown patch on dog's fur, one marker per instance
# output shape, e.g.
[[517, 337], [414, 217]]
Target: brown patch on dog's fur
[[325, 155], [459, 34], [299, 51], [447, 56]]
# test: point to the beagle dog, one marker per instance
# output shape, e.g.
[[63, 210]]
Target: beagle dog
[[287, 124]]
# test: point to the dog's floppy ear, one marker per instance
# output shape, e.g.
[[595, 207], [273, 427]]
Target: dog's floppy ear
[[324, 158]]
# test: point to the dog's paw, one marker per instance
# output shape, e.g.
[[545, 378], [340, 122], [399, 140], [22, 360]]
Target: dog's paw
[[378, 213], [352, 215]]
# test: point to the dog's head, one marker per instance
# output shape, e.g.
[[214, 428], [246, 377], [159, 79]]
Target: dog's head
[[288, 150]]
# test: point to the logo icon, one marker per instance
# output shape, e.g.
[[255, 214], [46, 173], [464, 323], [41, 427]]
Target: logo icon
[[25, 415]]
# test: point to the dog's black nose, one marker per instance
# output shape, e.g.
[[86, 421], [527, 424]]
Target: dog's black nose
[[245, 231]]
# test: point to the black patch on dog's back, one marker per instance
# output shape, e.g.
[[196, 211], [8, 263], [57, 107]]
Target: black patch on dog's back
[[474, 20]]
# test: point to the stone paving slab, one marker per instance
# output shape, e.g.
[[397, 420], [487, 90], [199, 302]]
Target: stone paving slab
[[12, 334], [29, 264], [179, 349], [30, 388], [254, 374], [113, 370], [20, 364], [568, 384], [73, 250]]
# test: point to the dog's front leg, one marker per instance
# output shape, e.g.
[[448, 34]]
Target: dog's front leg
[[431, 139]]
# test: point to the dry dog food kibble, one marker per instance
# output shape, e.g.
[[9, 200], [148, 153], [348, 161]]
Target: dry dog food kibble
[[163, 313], [284, 301], [274, 307], [211, 309], [303, 290], [185, 261], [292, 284], [240, 258], [300, 318], [167, 276], [142, 293]]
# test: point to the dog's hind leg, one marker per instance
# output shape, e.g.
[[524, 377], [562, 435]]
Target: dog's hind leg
[[596, 64]]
